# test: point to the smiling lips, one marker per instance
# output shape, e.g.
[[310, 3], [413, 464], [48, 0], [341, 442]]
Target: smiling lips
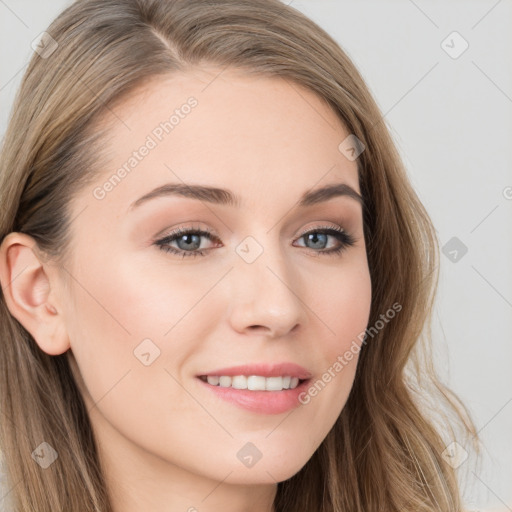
[[248, 386], [262, 370], [252, 382], [258, 377]]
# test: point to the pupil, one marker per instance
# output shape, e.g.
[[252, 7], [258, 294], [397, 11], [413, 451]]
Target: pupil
[[314, 237], [193, 241], [188, 239]]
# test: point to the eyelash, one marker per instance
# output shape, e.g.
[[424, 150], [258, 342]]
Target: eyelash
[[346, 240]]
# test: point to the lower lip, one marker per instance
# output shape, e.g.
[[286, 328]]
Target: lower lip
[[263, 402]]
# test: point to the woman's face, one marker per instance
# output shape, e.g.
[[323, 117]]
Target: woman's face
[[144, 323]]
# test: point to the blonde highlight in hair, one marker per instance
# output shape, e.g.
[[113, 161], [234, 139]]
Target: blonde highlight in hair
[[384, 452]]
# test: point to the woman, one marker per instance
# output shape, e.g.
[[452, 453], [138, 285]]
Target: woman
[[215, 274]]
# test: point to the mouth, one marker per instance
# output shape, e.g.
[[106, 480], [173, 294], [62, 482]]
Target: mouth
[[255, 393], [253, 382]]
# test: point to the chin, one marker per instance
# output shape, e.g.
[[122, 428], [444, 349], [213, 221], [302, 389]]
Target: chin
[[263, 473]]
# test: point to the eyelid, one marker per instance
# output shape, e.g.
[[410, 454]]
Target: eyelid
[[320, 227], [207, 231], [181, 230], [344, 238]]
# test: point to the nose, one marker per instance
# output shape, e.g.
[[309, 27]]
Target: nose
[[266, 297]]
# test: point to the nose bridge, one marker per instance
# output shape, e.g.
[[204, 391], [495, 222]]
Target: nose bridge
[[264, 286]]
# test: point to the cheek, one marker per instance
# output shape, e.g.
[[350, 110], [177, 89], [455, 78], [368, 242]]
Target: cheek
[[152, 297], [124, 299], [343, 308], [342, 305], [127, 313], [128, 366], [114, 310]]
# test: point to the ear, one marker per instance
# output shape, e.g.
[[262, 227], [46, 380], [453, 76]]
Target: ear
[[28, 285]]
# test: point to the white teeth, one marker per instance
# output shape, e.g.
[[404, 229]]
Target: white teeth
[[239, 382], [256, 383], [253, 382], [225, 382], [213, 380], [274, 383]]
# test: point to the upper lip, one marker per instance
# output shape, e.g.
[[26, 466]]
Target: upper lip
[[263, 369]]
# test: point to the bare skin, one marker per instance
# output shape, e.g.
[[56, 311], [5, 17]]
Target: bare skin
[[168, 443]]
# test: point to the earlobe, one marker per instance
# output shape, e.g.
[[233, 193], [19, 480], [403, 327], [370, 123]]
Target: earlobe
[[27, 288]]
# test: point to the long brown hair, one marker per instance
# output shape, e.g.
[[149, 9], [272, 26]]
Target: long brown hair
[[385, 450]]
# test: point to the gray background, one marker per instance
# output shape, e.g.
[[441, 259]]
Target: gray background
[[451, 119]]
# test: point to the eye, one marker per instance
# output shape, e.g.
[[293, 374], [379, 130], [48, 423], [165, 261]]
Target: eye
[[188, 241], [319, 237]]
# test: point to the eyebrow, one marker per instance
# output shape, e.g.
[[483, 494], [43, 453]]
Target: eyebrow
[[223, 196]]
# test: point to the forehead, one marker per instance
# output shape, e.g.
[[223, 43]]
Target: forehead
[[262, 136]]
